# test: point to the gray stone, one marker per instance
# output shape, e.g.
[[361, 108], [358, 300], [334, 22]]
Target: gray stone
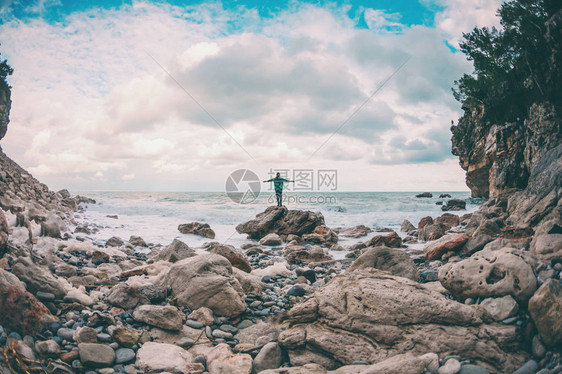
[[185, 342], [123, 355], [473, 369], [66, 333], [500, 308], [269, 357], [452, 366], [194, 324], [530, 367], [96, 355]]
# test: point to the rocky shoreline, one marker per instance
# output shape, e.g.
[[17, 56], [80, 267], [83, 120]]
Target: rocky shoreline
[[483, 296]]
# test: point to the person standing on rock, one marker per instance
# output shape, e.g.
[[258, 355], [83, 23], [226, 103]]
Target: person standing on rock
[[278, 185]]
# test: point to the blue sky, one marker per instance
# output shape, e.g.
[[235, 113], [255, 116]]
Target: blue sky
[[96, 104]]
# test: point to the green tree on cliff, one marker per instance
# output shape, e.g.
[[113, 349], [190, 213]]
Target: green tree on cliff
[[5, 71], [515, 66]]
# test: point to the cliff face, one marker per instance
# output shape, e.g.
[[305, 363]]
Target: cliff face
[[5, 105], [499, 157]]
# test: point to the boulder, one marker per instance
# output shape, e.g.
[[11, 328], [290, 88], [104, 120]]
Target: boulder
[[444, 196], [454, 204], [221, 360], [236, 258], [164, 317], [114, 241], [295, 253], [547, 245], [394, 261], [546, 310], [203, 315], [432, 231], [321, 235], [197, 228], [127, 297], [37, 278], [206, 280], [27, 314], [407, 226], [85, 334], [137, 241], [174, 252], [162, 357], [490, 274], [269, 357], [500, 308], [271, 240], [281, 221], [96, 355], [391, 240], [451, 242], [448, 219], [353, 232], [369, 315], [424, 222], [53, 227], [425, 194]]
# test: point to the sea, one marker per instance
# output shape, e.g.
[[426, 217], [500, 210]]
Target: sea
[[155, 216]]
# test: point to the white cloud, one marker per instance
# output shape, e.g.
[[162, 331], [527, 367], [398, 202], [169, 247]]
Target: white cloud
[[91, 109]]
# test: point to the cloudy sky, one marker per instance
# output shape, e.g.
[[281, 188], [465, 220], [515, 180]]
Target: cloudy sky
[[173, 96]]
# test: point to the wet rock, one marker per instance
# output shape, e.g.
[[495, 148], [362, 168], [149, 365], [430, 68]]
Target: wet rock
[[369, 315], [164, 317], [162, 357], [271, 240], [546, 310], [206, 281], [295, 253], [321, 234], [454, 204], [221, 360], [137, 241], [27, 314], [174, 252], [53, 227], [424, 222], [432, 231], [407, 226], [448, 219], [394, 261], [96, 355], [354, 232], [490, 273], [391, 240], [269, 357], [281, 221], [500, 308], [425, 194], [114, 241], [236, 258], [434, 250], [197, 228], [473, 369]]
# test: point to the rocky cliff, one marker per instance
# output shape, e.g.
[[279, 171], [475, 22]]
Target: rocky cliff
[[499, 157], [5, 104]]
